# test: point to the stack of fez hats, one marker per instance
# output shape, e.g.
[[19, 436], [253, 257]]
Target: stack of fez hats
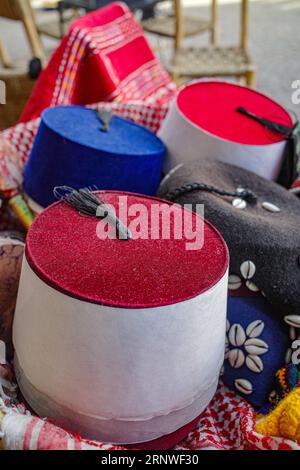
[[259, 221], [121, 339], [79, 147]]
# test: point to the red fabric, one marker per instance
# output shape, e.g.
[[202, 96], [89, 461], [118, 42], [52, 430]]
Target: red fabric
[[63, 248], [105, 56], [228, 422], [212, 106]]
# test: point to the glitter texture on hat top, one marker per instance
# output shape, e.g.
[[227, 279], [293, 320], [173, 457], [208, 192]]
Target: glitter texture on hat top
[[208, 125], [124, 339]]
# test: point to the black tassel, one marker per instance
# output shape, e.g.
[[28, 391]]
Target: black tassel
[[288, 172], [87, 203]]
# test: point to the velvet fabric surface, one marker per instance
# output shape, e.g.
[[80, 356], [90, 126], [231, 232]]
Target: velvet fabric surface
[[63, 249], [270, 240], [212, 107], [70, 149]]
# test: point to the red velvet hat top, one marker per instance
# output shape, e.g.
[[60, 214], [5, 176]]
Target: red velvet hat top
[[63, 249], [212, 106]]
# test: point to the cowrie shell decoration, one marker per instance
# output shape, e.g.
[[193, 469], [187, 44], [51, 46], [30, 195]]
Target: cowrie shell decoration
[[293, 333], [236, 335], [236, 358], [244, 386], [239, 203], [292, 320], [226, 348], [254, 363], [251, 286], [247, 269], [270, 207], [255, 329], [247, 349]]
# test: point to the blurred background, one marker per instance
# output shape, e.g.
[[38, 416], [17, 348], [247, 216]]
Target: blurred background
[[270, 32]]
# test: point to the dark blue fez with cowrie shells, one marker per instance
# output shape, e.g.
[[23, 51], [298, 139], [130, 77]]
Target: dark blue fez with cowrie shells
[[75, 147]]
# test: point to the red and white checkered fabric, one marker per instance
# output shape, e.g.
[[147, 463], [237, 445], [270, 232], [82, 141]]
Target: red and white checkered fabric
[[228, 423]]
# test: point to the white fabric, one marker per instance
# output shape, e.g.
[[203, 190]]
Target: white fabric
[[190, 143], [113, 364]]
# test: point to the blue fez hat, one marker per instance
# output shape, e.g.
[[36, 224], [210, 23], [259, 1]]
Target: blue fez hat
[[256, 346], [74, 147]]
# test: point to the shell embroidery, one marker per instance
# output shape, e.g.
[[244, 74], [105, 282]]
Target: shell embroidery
[[244, 347], [293, 321], [247, 269]]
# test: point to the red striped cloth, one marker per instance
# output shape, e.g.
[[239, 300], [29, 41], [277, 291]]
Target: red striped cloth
[[105, 57]]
